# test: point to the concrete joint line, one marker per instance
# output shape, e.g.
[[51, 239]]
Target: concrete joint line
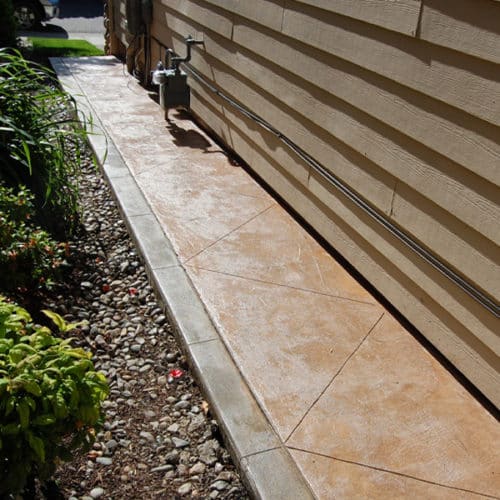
[[250, 437]]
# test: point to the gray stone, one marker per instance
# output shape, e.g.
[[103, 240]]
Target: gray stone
[[171, 356], [160, 319], [172, 457], [180, 443], [100, 341], [208, 451], [162, 468], [185, 489], [173, 428], [197, 468], [104, 460], [219, 485], [111, 444], [196, 423], [147, 435], [182, 469], [225, 476], [96, 492]]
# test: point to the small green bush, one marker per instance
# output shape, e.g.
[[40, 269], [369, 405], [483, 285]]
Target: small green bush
[[50, 398], [29, 257]]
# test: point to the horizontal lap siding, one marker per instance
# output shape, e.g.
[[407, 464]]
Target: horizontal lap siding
[[467, 83], [396, 15], [449, 24], [398, 100]]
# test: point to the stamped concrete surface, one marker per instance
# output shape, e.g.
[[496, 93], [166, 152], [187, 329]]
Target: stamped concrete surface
[[319, 390]]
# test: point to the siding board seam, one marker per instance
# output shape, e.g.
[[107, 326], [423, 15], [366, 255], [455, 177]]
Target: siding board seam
[[419, 20], [486, 302]]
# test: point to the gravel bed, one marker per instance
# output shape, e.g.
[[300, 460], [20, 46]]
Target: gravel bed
[[159, 439]]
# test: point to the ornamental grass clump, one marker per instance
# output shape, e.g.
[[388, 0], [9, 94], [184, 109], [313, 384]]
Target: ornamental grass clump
[[41, 140], [50, 398]]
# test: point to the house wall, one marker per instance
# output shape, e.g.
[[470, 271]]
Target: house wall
[[400, 99]]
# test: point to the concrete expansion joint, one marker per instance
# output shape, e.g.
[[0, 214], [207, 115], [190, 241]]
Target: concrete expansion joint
[[294, 375]]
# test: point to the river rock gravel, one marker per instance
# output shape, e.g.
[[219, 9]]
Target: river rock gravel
[[159, 440]]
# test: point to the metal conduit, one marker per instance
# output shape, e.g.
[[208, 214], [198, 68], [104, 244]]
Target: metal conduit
[[489, 304]]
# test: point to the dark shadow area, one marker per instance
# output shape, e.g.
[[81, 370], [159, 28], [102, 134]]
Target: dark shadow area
[[46, 31], [187, 138], [88, 9]]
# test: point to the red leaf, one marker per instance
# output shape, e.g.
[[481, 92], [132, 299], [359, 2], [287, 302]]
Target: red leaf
[[132, 291], [106, 288]]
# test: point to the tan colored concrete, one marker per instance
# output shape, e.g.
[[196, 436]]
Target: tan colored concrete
[[394, 407], [333, 479], [288, 343], [363, 409], [274, 248]]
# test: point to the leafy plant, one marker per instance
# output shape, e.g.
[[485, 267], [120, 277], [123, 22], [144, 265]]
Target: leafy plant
[[41, 141], [29, 257], [50, 398]]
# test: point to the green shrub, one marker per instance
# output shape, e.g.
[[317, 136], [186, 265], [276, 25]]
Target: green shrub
[[7, 25], [40, 141], [50, 398], [29, 257]]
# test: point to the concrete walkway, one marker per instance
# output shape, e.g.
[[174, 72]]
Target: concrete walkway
[[320, 392]]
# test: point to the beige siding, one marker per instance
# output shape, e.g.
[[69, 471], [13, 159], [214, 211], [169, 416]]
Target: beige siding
[[398, 99], [265, 12], [449, 24], [395, 15], [464, 82], [470, 142]]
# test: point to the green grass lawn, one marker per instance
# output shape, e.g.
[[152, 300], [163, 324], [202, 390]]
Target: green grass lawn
[[61, 47]]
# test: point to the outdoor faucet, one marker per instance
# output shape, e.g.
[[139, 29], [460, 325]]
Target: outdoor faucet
[[176, 60]]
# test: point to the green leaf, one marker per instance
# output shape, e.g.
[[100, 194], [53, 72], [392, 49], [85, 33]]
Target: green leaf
[[36, 445], [31, 403], [57, 319], [11, 404], [89, 414], [43, 420], [59, 406], [10, 429], [32, 387], [3, 385], [24, 413], [27, 155], [16, 355]]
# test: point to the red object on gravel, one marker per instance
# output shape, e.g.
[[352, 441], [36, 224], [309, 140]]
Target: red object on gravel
[[176, 373]]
